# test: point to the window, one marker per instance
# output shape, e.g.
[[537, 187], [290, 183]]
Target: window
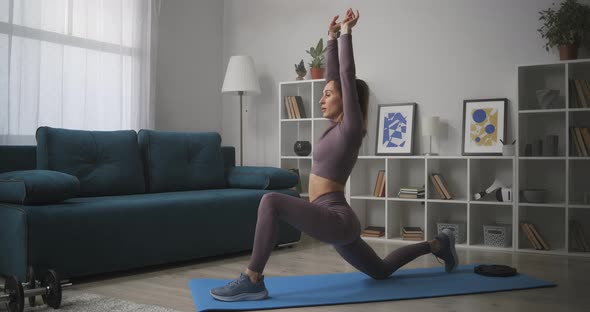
[[75, 64]]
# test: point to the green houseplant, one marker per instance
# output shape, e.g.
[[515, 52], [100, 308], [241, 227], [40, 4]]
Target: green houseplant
[[317, 54], [564, 28]]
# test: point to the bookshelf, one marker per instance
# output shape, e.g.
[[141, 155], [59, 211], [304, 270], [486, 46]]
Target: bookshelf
[[463, 175], [292, 129], [562, 172]]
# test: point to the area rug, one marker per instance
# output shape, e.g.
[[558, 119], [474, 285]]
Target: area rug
[[84, 302]]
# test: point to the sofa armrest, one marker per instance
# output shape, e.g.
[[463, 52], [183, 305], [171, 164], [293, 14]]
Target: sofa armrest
[[263, 178], [13, 245]]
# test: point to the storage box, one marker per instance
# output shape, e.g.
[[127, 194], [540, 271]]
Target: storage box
[[497, 235], [458, 228]]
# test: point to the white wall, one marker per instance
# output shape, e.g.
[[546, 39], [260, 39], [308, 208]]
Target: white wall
[[189, 66], [434, 53]]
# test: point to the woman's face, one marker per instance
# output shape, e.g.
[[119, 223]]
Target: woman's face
[[331, 102]]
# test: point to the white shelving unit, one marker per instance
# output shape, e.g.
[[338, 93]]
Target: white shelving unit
[[464, 175], [301, 129], [564, 176]]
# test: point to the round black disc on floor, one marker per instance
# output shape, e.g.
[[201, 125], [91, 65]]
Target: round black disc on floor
[[495, 270], [31, 284], [53, 297], [14, 289]]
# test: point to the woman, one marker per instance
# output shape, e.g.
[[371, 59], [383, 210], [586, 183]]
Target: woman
[[327, 216]]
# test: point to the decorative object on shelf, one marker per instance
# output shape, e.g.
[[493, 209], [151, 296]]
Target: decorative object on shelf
[[458, 229], [546, 98], [302, 148], [586, 198], [533, 196], [497, 235], [484, 124], [300, 70], [538, 150], [565, 28], [430, 128], [502, 192], [240, 78], [508, 149], [317, 54], [550, 145], [528, 149], [395, 129]]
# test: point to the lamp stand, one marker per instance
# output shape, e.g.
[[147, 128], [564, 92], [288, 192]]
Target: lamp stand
[[240, 93], [430, 153]]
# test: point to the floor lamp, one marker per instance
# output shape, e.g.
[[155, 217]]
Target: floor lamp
[[240, 79]]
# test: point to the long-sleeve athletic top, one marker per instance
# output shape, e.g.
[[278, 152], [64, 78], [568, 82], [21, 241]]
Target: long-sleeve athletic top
[[337, 150]]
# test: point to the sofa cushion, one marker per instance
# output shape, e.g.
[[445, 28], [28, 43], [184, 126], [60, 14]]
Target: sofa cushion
[[105, 162], [181, 161], [264, 178], [31, 187]]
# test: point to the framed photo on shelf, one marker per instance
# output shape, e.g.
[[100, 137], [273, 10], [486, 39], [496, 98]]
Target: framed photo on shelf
[[395, 129], [484, 125]]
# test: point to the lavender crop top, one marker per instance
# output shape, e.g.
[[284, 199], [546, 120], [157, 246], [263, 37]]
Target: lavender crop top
[[337, 150]]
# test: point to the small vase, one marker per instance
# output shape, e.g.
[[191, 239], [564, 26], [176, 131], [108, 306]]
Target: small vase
[[302, 148], [568, 52], [317, 73]]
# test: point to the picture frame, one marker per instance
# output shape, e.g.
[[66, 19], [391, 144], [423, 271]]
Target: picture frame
[[395, 129], [484, 126]]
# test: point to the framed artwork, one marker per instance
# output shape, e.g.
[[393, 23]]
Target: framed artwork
[[484, 125], [395, 129]]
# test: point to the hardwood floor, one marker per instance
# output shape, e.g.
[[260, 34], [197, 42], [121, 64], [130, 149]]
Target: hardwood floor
[[167, 286]]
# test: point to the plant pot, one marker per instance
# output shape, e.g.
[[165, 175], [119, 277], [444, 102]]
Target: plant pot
[[317, 73], [568, 52]]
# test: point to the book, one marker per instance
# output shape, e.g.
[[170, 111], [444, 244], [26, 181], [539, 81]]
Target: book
[[374, 230], [529, 235], [299, 102], [583, 147], [377, 189], [437, 187], [443, 185], [538, 237], [412, 230], [586, 138]]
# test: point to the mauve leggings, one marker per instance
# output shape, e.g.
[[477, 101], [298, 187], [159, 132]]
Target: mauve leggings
[[329, 219]]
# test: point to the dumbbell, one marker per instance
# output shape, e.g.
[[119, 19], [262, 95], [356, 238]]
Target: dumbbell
[[50, 290], [31, 283]]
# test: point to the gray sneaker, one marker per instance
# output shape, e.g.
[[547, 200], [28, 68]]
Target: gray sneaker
[[447, 250], [240, 289]]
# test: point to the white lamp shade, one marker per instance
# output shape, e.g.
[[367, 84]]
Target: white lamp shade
[[241, 76], [430, 125]]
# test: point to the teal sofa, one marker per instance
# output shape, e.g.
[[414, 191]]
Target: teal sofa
[[90, 202]]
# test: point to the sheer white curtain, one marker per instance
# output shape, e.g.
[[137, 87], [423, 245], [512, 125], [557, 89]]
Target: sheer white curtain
[[77, 64]]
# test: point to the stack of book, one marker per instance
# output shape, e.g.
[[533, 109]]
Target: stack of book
[[413, 233], [379, 190], [440, 186], [578, 241], [580, 136], [411, 192], [374, 231], [579, 93], [294, 107], [534, 237]]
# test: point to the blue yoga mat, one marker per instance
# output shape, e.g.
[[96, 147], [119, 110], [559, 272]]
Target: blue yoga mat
[[356, 287]]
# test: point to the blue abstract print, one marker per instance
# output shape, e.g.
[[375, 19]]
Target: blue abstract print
[[394, 130]]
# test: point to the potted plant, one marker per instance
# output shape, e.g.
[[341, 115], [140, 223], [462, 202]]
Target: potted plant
[[565, 27], [316, 66]]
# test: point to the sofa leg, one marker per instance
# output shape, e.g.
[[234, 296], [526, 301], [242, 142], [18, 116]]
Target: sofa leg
[[287, 245]]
